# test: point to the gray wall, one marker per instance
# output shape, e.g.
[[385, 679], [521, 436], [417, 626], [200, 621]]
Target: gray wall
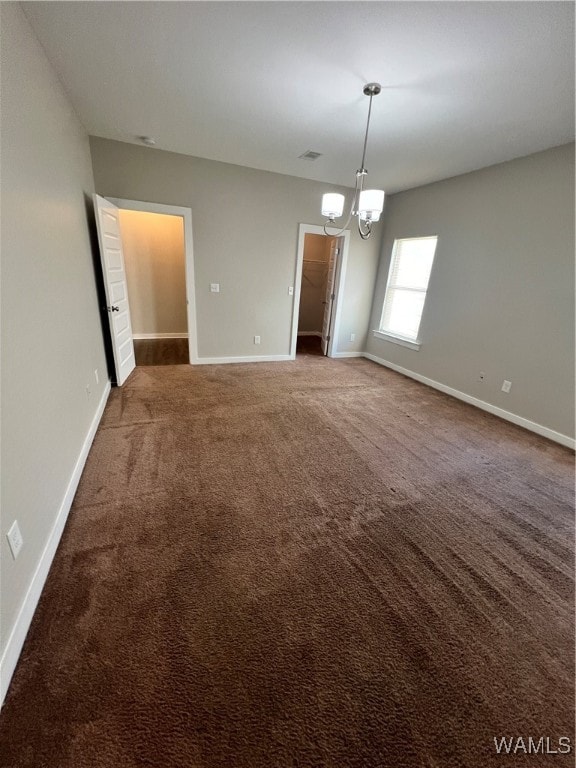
[[51, 334], [245, 226], [153, 246], [501, 293]]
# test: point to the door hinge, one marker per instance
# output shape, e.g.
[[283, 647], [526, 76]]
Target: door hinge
[[336, 251], [327, 338], [332, 296]]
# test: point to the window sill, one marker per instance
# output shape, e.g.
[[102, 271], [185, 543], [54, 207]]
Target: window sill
[[397, 340]]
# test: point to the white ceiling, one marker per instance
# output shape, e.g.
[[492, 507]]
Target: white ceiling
[[465, 84]]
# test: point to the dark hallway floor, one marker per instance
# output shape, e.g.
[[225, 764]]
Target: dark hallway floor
[[161, 351], [309, 345]]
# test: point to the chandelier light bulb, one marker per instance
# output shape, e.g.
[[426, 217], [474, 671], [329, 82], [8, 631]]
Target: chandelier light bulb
[[371, 204], [332, 205]]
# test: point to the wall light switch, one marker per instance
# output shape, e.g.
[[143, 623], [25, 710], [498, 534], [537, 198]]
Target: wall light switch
[[215, 287], [15, 539], [352, 337], [506, 386], [291, 291]]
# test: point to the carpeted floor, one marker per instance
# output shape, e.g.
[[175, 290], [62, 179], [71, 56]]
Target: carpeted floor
[[317, 563]]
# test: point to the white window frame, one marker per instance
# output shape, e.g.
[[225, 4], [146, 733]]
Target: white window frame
[[397, 338]]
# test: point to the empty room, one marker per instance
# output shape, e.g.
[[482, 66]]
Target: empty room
[[287, 384]]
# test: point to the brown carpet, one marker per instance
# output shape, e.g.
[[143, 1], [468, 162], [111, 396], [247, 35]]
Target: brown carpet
[[293, 565]]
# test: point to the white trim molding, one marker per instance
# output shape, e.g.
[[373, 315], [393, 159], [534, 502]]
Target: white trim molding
[[396, 339], [247, 359], [142, 336], [24, 618], [532, 426], [348, 354]]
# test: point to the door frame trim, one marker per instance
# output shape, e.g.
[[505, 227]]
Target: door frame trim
[[315, 229], [186, 215]]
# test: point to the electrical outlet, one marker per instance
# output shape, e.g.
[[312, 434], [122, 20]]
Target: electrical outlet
[[256, 339], [15, 539], [352, 337], [96, 376], [506, 386], [215, 287], [481, 376]]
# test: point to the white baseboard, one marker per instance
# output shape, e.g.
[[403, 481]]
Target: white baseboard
[[310, 333], [551, 434], [248, 359], [159, 336], [22, 624], [348, 354]]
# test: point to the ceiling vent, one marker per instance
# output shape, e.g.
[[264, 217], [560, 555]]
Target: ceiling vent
[[310, 155]]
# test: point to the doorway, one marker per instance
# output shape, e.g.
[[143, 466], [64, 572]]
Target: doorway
[[153, 246], [321, 266], [157, 246]]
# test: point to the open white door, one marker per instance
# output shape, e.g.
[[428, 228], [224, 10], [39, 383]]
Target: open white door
[[108, 225], [330, 295]]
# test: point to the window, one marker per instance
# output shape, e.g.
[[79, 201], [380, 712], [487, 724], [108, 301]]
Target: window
[[408, 278]]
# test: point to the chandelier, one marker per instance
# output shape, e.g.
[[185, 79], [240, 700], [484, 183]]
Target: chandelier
[[367, 204]]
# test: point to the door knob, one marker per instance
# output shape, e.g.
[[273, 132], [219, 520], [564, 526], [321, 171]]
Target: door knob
[[113, 309]]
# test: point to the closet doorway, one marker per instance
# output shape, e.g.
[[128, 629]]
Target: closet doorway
[[157, 246], [320, 280]]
